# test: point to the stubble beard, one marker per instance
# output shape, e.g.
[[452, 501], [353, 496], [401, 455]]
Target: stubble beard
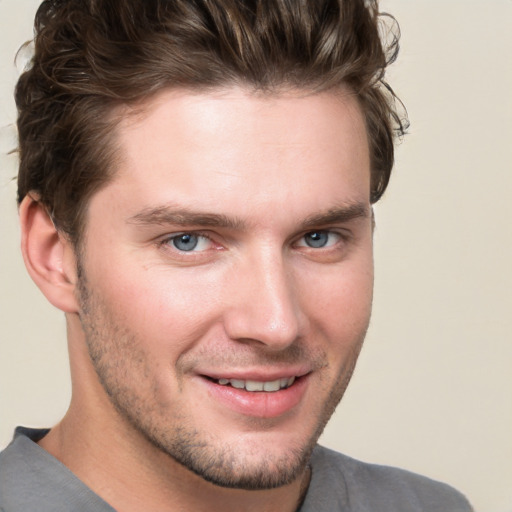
[[121, 365]]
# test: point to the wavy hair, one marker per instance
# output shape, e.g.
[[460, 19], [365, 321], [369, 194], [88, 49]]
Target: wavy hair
[[93, 56]]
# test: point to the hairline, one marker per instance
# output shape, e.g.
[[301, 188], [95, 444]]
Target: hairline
[[137, 110]]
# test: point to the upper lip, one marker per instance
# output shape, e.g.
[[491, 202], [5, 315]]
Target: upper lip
[[258, 375]]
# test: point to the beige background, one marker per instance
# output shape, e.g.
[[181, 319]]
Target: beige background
[[433, 390]]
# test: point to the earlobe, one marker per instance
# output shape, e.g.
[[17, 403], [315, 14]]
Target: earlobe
[[49, 257]]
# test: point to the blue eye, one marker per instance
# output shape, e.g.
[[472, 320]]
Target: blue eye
[[185, 242], [188, 242], [319, 239], [316, 239]]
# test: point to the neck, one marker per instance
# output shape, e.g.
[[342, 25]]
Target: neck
[[129, 472], [132, 475]]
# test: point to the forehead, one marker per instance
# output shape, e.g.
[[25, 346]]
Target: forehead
[[249, 114], [233, 148]]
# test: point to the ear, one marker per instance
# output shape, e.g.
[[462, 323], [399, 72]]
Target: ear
[[48, 255]]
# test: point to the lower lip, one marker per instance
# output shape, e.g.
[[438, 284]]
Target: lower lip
[[258, 404]]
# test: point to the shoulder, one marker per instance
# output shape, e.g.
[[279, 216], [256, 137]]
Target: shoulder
[[340, 482], [31, 479], [20, 466]]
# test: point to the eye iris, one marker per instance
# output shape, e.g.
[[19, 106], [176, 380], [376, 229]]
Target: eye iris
[[316, 239], [186, 242]]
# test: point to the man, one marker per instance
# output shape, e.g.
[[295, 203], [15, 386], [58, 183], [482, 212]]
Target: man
[[195, 187]]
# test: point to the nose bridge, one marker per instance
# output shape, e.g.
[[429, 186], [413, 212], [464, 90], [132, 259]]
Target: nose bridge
[[266, 308]]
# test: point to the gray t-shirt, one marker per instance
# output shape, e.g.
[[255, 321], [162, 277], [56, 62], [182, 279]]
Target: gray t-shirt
[[32, 480]]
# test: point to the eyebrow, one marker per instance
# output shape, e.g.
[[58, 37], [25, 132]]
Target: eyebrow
[[180, 216], [338, 215], [163, 215]]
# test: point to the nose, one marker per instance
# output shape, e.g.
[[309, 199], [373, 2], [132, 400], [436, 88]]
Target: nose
[[264, 304]]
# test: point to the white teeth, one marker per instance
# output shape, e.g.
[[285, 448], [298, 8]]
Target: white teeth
[[274, 385], [254, 385], [238, 384]]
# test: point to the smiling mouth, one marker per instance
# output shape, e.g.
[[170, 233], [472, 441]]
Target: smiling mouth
[[255, 386]]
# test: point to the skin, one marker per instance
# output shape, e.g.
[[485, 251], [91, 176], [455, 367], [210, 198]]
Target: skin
[[275, 191]]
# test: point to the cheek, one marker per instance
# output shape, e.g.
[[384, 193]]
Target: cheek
[[166, 310], [341, 300]]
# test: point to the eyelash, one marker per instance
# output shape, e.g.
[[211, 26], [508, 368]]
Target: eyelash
[[169, 239], [320, 232], [166, 242]]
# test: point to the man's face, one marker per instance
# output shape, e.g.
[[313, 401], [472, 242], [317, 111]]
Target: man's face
[[227, 277]]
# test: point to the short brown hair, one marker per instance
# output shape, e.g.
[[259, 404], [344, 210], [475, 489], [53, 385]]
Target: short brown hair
[[94, 55]]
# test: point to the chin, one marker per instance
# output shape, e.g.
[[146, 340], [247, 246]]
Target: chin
[[230, 469], [252, 462]]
